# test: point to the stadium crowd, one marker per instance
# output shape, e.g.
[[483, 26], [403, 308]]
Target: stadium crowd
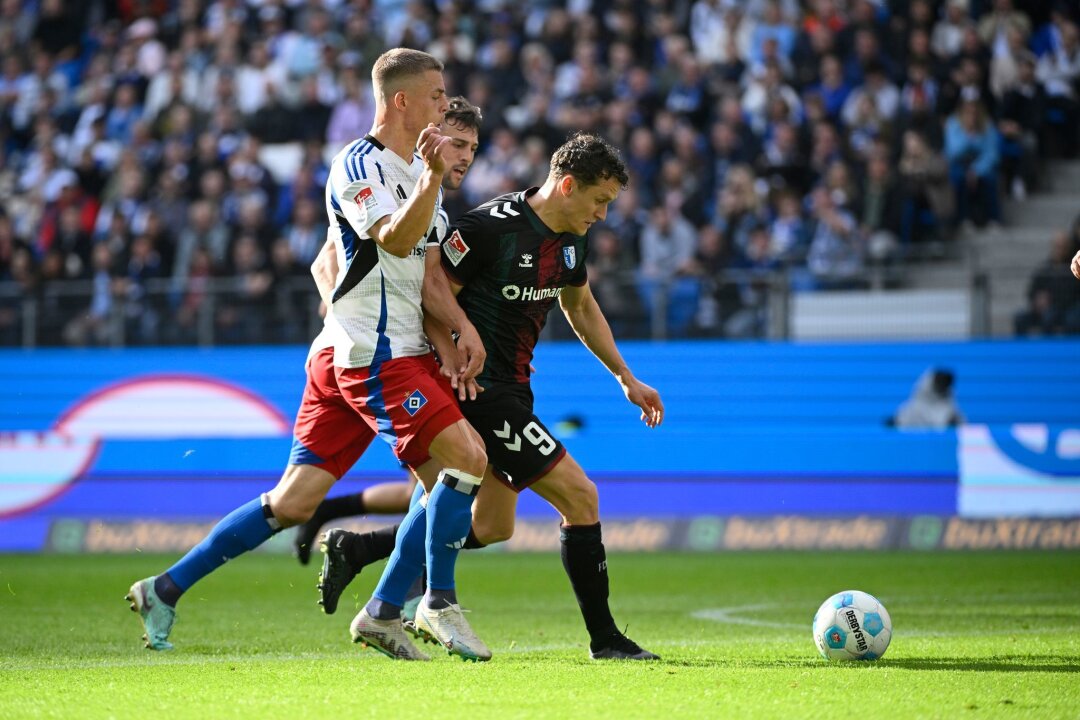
[[171, 154]]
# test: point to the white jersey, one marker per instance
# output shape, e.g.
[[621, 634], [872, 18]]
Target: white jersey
[[376, 313]]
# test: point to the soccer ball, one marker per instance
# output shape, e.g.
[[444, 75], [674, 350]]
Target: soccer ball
[[852, 625]]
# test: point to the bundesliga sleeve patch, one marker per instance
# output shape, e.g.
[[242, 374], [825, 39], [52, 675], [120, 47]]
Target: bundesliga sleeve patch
[[455, 248], [365, 199]]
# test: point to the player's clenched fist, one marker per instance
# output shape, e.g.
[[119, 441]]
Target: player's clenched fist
[[1076, 264], [432, 145]]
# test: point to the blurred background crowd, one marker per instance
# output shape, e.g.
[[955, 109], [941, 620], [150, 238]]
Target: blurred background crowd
[[163, 161]]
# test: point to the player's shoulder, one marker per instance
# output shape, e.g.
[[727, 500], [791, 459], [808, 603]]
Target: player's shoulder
[[359, 158], [498, 214]]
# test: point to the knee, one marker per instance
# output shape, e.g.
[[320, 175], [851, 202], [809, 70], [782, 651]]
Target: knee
[[290, 511], [490, 533], [470, 456], [582, 506], [290, 514]]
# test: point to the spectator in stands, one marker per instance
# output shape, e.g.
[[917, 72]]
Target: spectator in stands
[[175, 97], [141, 303], [1059, 73], [611, 276], [972, 147], [948, 32], [1053, 297], [932, 405], [927, 199], [17, 282], [93, 325], [881, 204], [739, 208], [833, 87], [995, 26], [789, 237], [1020, 121], [243, 317], [835, 257], [756, 264], [307, 233], [205, 232], [665, 280]]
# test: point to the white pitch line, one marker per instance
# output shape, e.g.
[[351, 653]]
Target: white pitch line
[[727, 616]]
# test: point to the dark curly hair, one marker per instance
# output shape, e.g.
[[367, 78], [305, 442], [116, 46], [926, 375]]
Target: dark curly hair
[[590, 159], [464, 115]]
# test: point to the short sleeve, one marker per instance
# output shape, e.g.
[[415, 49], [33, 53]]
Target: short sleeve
[[466, 250], [359, 194], [442, 226]]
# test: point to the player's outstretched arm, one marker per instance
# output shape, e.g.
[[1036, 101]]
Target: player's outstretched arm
[[585, 317], [1076, 265], [324, 269], [440, 302]]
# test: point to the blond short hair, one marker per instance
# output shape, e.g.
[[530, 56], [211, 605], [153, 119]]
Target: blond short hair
[[396, 66]]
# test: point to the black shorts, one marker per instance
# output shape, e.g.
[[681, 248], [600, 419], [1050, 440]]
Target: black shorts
[[518, 445]]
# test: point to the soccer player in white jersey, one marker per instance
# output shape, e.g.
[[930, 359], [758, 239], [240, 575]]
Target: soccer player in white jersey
[[378, 378], [461, 125]]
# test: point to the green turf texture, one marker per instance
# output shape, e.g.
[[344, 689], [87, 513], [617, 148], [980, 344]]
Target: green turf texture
[[975, 635]]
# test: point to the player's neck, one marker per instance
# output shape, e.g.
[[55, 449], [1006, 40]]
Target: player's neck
[[544, 202], [394, 138]]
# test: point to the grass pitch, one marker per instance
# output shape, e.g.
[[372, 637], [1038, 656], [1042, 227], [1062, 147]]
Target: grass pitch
[[975, 635]]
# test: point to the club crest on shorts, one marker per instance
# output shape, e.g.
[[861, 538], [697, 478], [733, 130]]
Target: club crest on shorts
[[455, 248], [569, 256], [414, 402]]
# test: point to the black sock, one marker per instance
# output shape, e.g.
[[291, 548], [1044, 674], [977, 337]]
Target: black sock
[[167, 590], [371, 546], [586, 565], [471, 542], [339, 507]]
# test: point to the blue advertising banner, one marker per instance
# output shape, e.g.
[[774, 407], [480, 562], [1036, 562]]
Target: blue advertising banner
[[751, 430]]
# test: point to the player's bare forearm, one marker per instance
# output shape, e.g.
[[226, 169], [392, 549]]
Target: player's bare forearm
[[440, 338], [1076, 265], [440, 302], [399, 233], [438, 296], [592, 328], [324, 269]]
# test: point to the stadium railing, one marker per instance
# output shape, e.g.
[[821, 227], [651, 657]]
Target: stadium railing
[[735, 304]]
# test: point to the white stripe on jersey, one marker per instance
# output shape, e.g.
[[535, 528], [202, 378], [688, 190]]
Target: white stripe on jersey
[[380, 317]]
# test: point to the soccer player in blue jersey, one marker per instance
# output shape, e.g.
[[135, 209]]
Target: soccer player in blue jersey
[[378, 376]]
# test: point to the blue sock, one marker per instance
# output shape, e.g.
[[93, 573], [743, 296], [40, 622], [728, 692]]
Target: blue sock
[[449, 519], [405, 563], [245, 528], [417, 493]]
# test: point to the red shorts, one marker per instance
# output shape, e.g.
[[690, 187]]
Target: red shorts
[[406, 402]]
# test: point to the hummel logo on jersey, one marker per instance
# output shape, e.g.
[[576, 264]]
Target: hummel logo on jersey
[[569, 255], [455, 248], [526, 260], [505, 208], [513, 292], [414, 402]]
